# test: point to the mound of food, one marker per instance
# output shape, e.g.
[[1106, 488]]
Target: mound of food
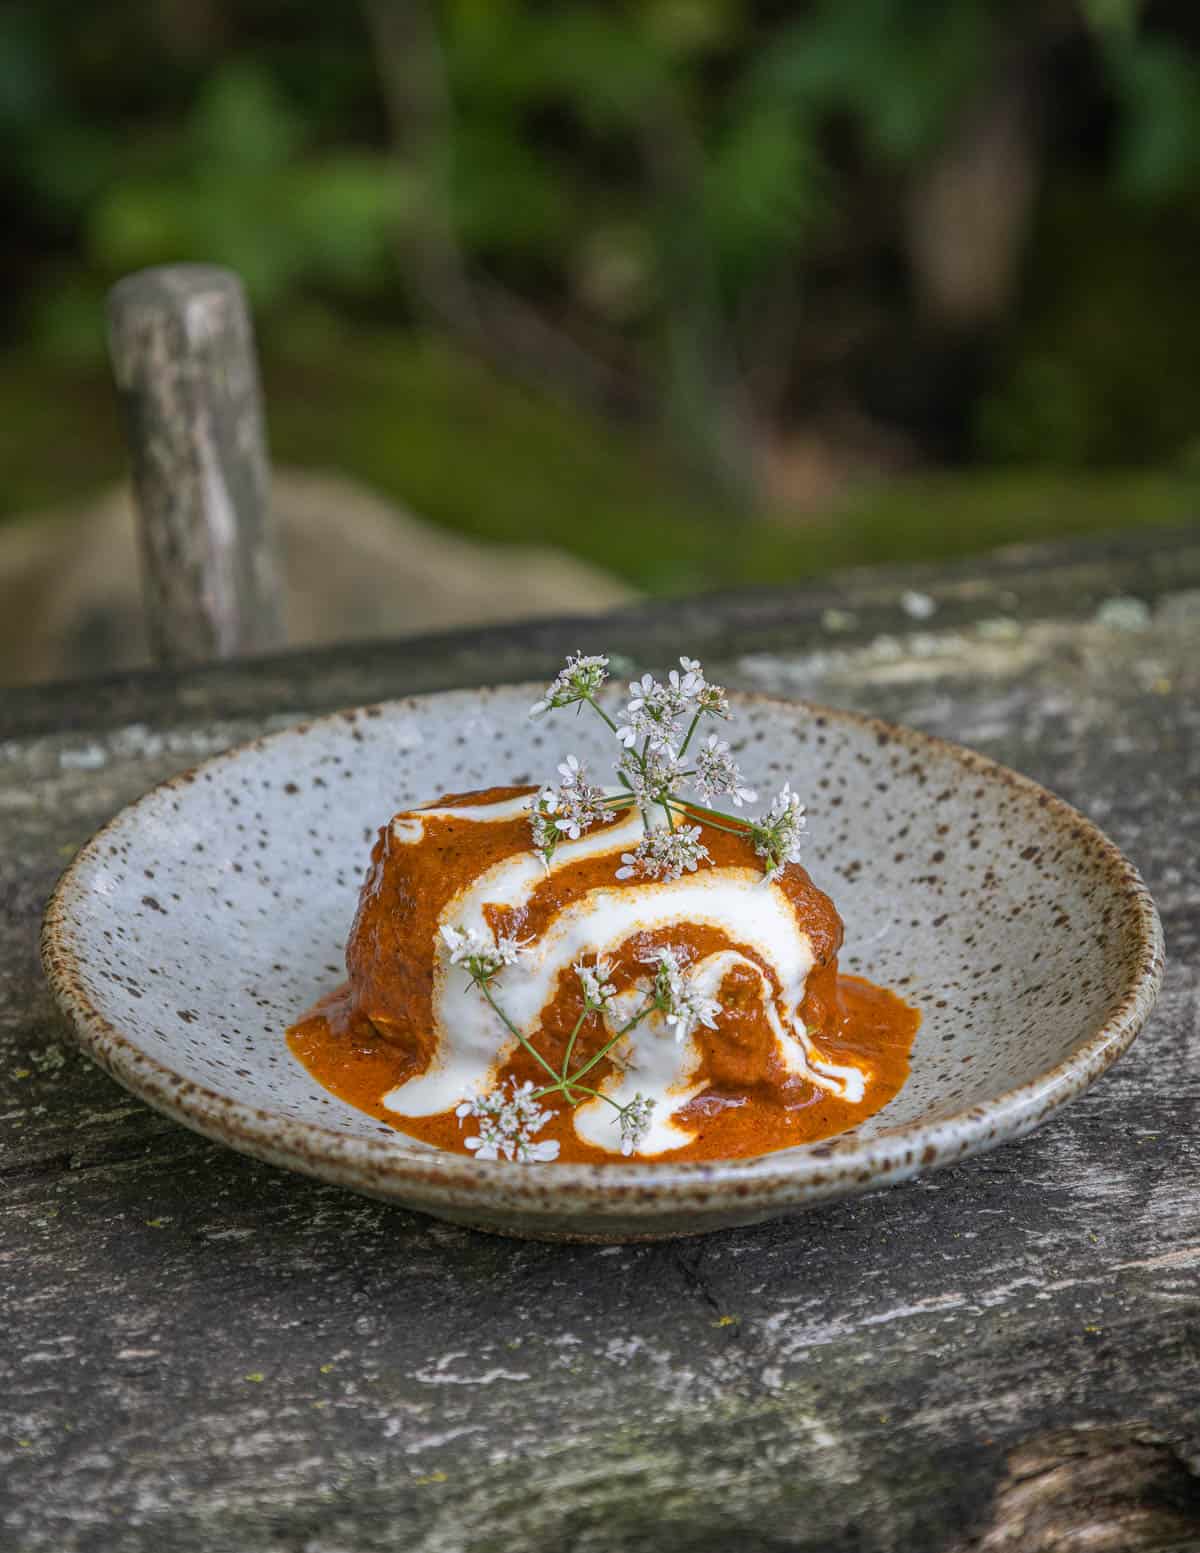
[[587, 974]]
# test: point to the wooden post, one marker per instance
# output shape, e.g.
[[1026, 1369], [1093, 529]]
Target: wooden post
[[182, 349]]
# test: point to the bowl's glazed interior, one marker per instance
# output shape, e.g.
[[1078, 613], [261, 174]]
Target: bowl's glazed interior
[[192, 930]]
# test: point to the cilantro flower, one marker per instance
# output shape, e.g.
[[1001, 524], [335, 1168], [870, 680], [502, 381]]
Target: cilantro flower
[[578, 680], [564, 811], [594, 979], [543, 822], [578, 804], [507, 1124], [692, 681], [649, 779], [634, 1120], [676, 998], [653, 712], [777, 836], [712, 701], [717, 772], [665, 854], [709, 700], [483, 957]]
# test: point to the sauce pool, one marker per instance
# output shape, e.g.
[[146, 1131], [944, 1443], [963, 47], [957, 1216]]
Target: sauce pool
[[347, 1056]]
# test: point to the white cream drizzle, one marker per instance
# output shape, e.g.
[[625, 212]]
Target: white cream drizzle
[[410, 828], [473, 1045]]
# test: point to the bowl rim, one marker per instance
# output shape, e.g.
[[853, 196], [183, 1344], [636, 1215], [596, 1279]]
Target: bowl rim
[[803, 1172]]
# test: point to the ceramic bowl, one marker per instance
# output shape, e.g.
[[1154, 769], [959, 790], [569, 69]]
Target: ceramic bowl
[[207, 916]]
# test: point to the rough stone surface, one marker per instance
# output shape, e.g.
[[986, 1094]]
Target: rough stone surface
[[354, 566], [203, 1353]]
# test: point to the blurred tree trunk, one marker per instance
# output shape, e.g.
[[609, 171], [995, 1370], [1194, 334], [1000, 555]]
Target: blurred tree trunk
[[704, 408], [967, 212], [482, 315], [701, 406]]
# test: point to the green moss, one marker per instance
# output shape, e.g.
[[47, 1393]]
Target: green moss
[[465, 449], [445, 437]]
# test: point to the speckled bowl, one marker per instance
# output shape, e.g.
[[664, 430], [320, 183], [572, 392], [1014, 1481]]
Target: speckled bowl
[[204, 918]]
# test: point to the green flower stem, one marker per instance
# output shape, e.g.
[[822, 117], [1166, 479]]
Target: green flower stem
[[683, 809], [687, 803], [596, 707], [608, 1045], [508, 1024], [562, 1084], [584, 1089], [690, 732], [587, 1009]]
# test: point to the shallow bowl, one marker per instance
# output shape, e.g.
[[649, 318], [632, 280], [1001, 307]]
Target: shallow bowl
[[204, 918]]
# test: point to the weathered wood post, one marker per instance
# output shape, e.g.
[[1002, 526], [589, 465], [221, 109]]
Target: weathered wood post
[[182, 349]]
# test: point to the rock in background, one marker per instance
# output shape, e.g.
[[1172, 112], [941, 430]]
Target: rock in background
[[355, 565]]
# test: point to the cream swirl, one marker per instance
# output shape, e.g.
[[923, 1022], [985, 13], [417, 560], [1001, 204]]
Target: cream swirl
[[471, 1047]]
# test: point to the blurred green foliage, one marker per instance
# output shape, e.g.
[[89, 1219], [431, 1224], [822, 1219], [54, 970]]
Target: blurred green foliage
[[697, 196], [255, 133], [246, 186]]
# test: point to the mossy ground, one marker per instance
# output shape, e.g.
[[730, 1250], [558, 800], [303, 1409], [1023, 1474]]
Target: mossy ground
[[466, 450]]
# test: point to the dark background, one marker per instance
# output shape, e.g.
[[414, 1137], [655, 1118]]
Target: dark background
[[704, 291]]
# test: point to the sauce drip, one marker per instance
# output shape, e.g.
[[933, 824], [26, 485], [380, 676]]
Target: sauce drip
[[377, 1031]]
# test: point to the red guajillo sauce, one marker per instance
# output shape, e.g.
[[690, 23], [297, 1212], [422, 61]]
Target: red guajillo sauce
[[377, 1030]]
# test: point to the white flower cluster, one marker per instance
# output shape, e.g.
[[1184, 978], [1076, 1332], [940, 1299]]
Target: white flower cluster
[[507, 1124], [655, 732], [594, 979], [634, 1120], [565, 811], [777, 836], [665, 854], [579, 803], [717, 773], [578, 680], [655, 717], [656, 709], [652, 777], [546, 834], [677, 999], [483, 957]]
